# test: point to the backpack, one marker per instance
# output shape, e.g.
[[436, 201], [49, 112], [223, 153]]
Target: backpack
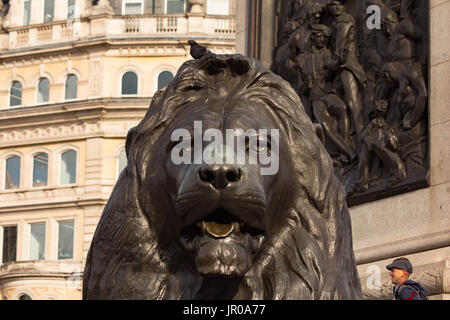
[[419, 292]]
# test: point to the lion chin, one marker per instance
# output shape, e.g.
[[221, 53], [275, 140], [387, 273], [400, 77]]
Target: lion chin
[[224, 246]]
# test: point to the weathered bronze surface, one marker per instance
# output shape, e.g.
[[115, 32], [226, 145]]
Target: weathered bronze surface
[[224, 231], [342, 65]]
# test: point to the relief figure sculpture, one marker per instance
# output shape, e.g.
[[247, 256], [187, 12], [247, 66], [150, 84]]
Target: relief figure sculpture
[[315, 67], [379, 140], [403, 63], [352, 73], [342, 84], [298, 42]]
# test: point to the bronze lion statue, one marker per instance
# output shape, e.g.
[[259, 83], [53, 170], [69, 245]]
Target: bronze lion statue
[[224, 231]]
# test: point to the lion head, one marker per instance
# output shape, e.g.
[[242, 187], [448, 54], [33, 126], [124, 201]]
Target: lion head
[[224, 231]]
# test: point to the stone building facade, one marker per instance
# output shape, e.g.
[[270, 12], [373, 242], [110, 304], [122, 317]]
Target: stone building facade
[[414, 224], [76, 75], [47, 221]]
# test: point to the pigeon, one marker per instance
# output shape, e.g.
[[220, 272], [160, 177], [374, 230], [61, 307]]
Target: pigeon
[[197, 51]]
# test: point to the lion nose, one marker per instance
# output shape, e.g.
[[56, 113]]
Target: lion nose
[[220, 176]]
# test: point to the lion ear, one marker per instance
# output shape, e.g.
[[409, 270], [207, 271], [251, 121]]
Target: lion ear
[[319, 132], [130, 138]]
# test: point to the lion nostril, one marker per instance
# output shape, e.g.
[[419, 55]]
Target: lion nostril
[[219, 177], [233, 175], [206, 175]]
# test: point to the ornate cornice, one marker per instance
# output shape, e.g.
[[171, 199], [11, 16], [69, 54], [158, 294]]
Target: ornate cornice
[[70, 121], [149, 46], [45, 204], [41, 270]]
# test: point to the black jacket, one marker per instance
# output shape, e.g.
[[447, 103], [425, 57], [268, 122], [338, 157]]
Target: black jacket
[[409, 290]]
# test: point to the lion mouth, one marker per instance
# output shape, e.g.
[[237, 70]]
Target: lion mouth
[[218, 230], [221, 224], [222, 244]]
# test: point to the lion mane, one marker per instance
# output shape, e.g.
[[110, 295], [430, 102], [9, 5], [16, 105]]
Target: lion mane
[[309, 256]]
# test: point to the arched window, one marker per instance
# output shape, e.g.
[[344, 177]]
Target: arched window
[[25, 297], [122, 161], [164, 79], [71, 87], [15, 94], [40, 170], [68, 167], [129, 83], [43, 90], [12, 180]]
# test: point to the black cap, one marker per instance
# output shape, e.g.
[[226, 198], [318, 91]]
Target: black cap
[[402, 264]]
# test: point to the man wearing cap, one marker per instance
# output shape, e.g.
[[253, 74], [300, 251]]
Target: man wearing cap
[[404, 289]]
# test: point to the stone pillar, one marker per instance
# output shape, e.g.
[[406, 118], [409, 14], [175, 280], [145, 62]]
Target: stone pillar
[[93, 189], [446, 280], [196, 17], [242, 25], [95, 76], [94, 165], [262, 30], [60, 12], [440, 93], [37, 12], [91, 218], [12, 19], [197, 6], [102, 7]]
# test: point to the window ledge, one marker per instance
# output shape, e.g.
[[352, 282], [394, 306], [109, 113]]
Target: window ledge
[[45, 188], [40, 268]]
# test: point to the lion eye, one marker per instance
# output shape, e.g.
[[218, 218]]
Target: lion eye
[[262, 145]]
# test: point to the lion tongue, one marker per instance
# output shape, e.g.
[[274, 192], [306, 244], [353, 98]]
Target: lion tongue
[[218, 230]]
